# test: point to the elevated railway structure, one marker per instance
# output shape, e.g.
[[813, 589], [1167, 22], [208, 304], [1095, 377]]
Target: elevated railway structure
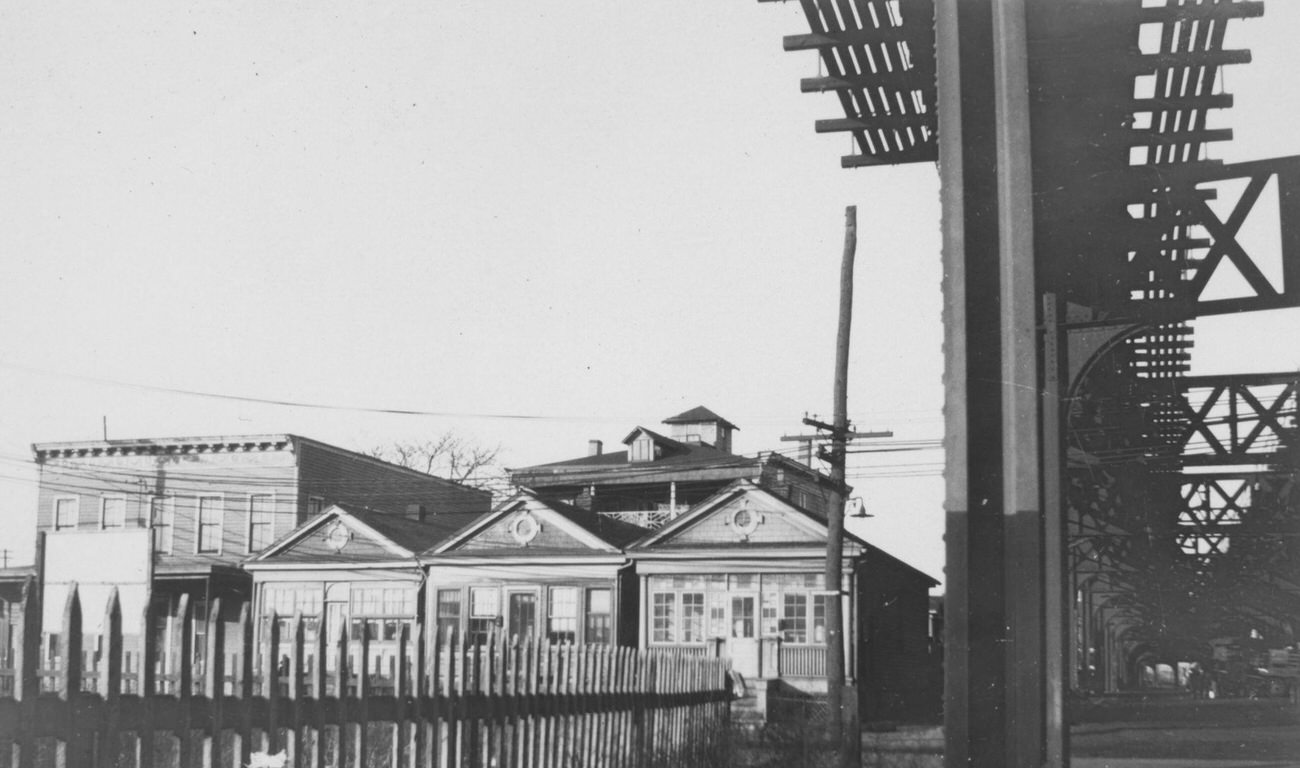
[[1103, 505]]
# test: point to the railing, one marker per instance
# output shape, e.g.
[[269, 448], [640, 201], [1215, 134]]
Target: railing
[[501, 703], [802, 661]]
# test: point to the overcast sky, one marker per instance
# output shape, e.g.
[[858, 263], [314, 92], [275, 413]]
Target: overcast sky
[[591, 214]]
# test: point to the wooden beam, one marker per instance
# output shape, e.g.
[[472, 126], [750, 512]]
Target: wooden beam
[[810, 41], [840, 124]]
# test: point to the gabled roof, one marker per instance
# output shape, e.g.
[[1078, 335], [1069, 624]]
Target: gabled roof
[[674, 537], [804, 519], [684, 456], [666, 442], [583, 529], [698, 415], [386, 536]]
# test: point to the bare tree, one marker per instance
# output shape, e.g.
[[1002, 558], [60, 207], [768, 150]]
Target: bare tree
[[448, 455]]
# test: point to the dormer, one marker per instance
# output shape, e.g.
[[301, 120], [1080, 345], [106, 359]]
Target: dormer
[[701, 426], [645, 445]]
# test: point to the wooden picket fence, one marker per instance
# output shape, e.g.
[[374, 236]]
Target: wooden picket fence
[[454, 704]]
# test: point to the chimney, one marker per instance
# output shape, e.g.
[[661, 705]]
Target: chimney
[[415, 512], [595, 447]]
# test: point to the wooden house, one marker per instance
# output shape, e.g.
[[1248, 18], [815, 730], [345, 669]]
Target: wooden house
[[350, 565], [198, 506], [742, 575], [660, 476], [536, 568]]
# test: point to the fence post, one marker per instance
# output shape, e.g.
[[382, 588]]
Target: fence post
[[244, 684], [363, 693], [111, 679], [271, 683], [401, 692], [27, 678], [214, 684], [295, 740], [72, 748], [185, 676], [148, 683], [345, 740], [319, 680]]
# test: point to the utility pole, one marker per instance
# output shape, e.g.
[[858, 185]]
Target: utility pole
[[805, 449], [835, 507]]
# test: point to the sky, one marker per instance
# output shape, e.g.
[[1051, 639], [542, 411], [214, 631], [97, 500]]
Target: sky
[[537, 224]]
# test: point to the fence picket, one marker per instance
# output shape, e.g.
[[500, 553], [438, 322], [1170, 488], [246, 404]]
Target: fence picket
[[214, 685], [111, 683], [508, 702], [295, 739], [320, 653]]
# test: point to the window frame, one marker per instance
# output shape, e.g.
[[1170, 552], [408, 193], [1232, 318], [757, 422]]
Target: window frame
[[250, 522], [76, 513], [166, 505], [220, 524], [103, 512]]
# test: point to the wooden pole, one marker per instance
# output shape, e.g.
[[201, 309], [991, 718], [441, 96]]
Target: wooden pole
[[835, 507]]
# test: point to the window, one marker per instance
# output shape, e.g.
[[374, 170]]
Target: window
[[383, 601], [288, 600], [562, 615], [261, 521], [484, 613], [65, 513], [209, 524], [693, 617], [794, 618], [162, 517], [819, 618], [663, 618], [112, 512], [315, 505], [448, 613], [598, 627]]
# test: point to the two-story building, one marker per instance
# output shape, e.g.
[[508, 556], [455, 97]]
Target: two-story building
[[180, 514], [659, 476]]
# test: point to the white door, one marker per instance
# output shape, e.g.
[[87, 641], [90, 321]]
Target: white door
[[742, 634]]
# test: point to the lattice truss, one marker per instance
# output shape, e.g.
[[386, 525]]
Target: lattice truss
[[1247, 426]]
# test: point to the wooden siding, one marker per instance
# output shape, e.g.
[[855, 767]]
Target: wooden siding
[[898, 678], [775, 528], [498, 537], [315, 547], [344, 477], [233, 476]]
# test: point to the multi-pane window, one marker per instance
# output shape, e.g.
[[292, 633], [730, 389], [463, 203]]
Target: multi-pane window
[[562, 615], [598, 627], [288, 600], [65, 513], [162, 518], [663, 619], [315, 505], [210, 514], [484, 612], [112, 512], [819, 618], [261, 521], [448, 613], [794, 618], [692, 617], [383, 601]]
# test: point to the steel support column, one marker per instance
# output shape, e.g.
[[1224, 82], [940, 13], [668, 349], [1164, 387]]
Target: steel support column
[[996, 711]]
